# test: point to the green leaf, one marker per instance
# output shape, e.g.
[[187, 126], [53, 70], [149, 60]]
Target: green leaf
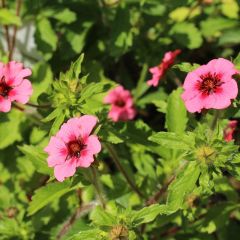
[[48, 194], [77, 66], [42, 78], [179, 14], [214, 26], [65, 16], [176, 115], [182, 186], [45, 37], [102, 218], [148, 214], [92, 89], [173, 140], [8, 17], [87, 235], [230, 8], [236, 61], [10, 130], [187, 34], [186, 67], [38, 158]]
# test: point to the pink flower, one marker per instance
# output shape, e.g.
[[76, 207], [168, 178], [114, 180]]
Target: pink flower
[[229, 130], [122, 108], [210, 86], [13, 85], [73, 146], [159, 71]]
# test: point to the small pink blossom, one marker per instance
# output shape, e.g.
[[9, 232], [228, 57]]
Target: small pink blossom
[[229, 130], [13, 85], [122, 107], [159, 71], [73, 146], [210, 86]]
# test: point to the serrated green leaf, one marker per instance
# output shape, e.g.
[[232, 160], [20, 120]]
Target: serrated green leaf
[[176, 114], [173, 140]]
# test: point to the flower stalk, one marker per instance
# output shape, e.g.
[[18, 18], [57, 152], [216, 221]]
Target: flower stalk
[[116, 160]]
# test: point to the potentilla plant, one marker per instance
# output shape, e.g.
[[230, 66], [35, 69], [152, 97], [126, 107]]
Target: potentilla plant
[[125, 141]]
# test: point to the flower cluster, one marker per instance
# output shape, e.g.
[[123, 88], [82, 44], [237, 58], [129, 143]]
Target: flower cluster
[[13, 85], [159, 71]]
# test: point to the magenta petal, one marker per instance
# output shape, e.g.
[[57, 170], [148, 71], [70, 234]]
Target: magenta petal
[[86, 124], [5, 104], [67, 169], [93, 144], [85, 160], [22, 92]]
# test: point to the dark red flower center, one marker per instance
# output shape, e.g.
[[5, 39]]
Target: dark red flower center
[[120, 103], [4, 88], [209, 83], [75, 147]]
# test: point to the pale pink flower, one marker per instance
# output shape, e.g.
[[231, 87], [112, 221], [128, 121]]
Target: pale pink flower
[[229, 130], [210, 86], [13, 85], [73, 146], [122, 107], [159, 71]]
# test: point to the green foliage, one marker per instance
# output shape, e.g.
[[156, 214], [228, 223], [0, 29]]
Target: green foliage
[[166, 174]]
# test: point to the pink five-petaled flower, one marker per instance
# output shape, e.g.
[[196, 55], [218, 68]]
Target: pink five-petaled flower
[[210, 86], [122, 107], [229, 130], [159, 71], [13, 85], [73, 146]]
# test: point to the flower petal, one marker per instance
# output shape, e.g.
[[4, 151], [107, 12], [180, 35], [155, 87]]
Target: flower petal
[[5, 104]]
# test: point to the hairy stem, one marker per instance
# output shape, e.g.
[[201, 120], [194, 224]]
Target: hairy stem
[[115, 158], [141, 81], [7, 36], [215, 120], [18, 7], [39, 106]]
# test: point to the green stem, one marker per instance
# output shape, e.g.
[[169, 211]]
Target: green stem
[[39, 106], [115, 158], [141, 82], [215, 120], [97, 186]]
